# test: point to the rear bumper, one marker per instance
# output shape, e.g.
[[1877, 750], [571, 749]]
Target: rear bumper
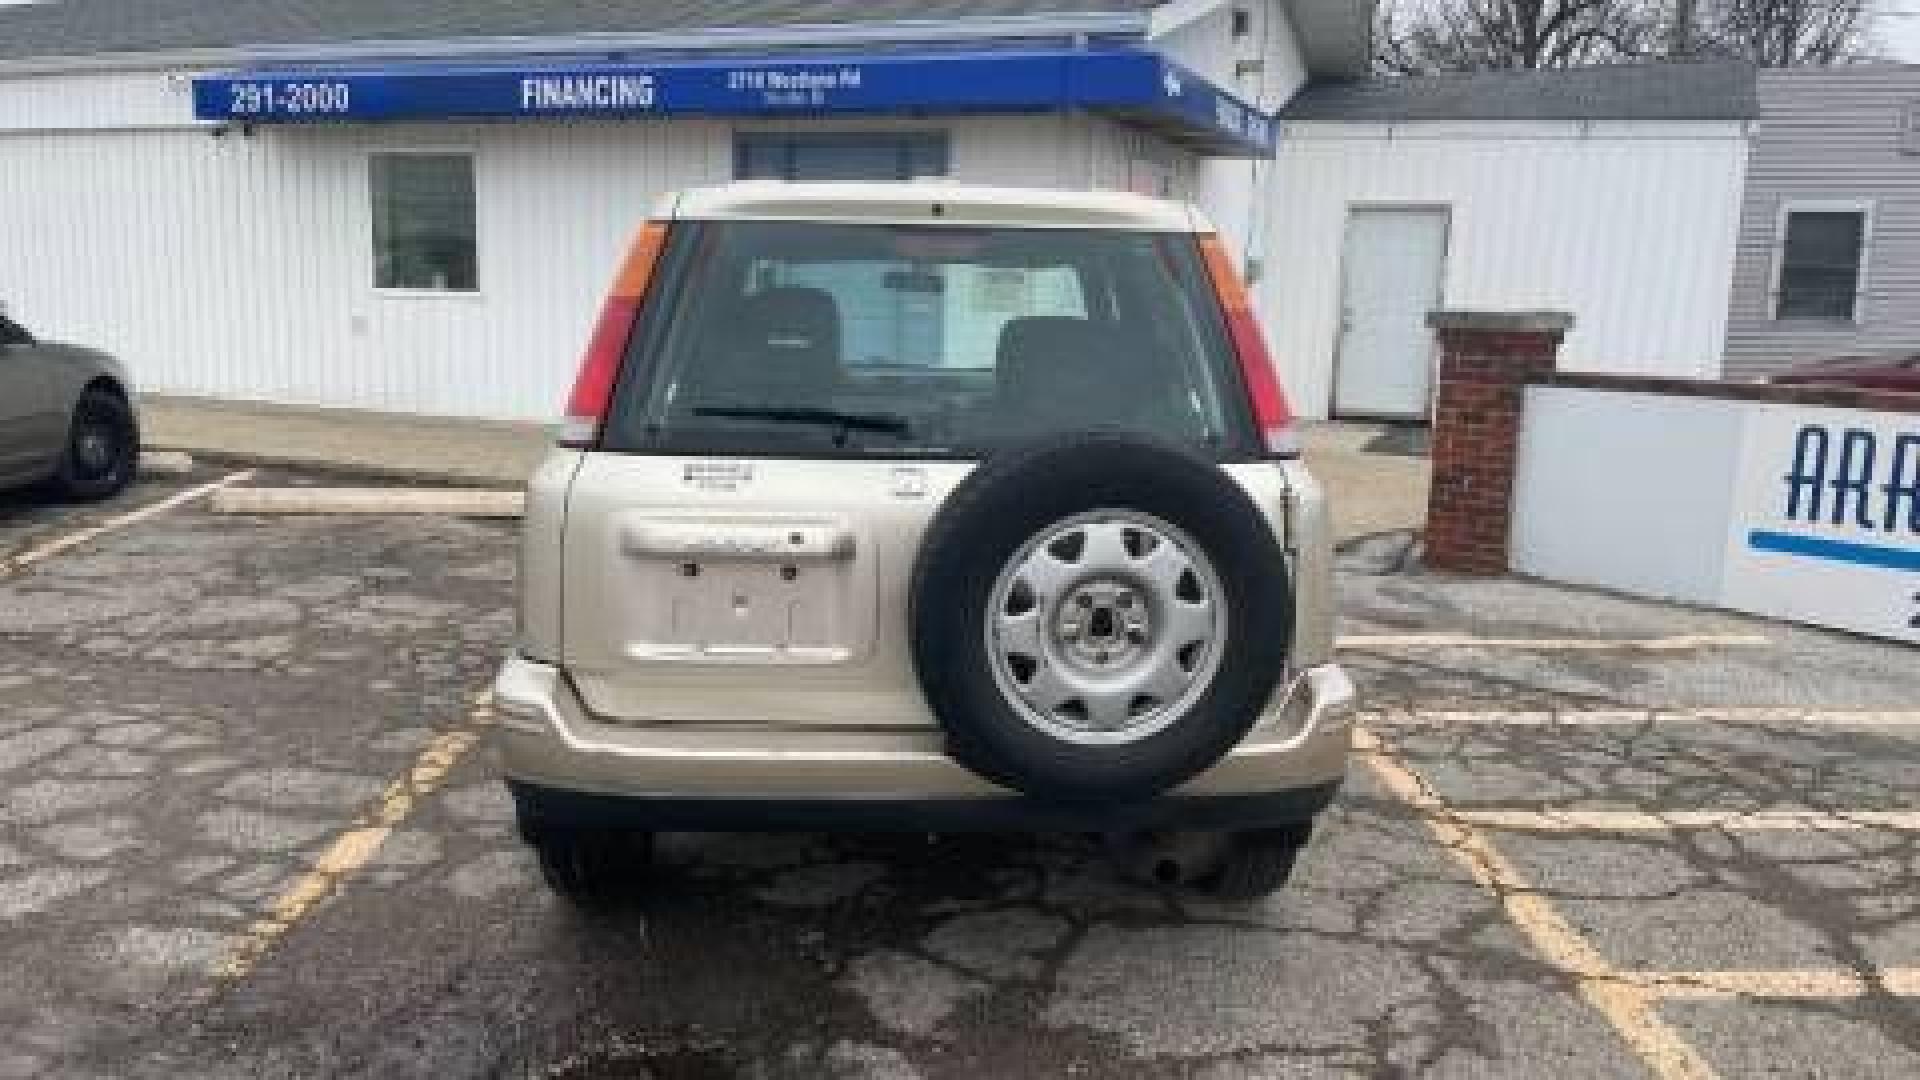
[[564, 765], [1004, 814]]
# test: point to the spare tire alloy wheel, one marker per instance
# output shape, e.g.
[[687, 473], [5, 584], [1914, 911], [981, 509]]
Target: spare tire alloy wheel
[[1098, 617], [1106, 627]]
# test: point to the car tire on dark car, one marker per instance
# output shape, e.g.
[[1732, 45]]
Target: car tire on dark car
[[1098, 617], [103, 448]]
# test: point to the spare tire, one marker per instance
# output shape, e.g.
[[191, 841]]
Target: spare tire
[[1098, 617]]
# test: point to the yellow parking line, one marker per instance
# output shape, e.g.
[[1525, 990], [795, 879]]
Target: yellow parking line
[[1696, 985], [1799, 717], [1677, 643], [27, 558], [1541, 718], [1675, 820], [355, 847], [1629, 1005]]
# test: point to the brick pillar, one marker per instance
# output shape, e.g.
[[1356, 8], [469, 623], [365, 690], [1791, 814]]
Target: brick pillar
[[1486, 359]]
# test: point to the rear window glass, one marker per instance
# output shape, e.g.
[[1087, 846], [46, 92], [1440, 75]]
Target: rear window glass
[[795, 338]]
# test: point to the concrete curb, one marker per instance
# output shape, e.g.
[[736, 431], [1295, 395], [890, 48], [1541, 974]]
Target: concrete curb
[[165, 463], [387, 470], [453, 502]]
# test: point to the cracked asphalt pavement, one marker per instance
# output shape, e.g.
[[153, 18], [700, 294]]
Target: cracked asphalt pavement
[[201, 716]]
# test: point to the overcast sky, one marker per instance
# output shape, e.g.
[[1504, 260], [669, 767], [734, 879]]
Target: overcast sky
[[1903, 35]]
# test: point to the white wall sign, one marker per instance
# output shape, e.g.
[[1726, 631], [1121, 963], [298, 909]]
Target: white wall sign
[[1788, 511], [1825, 523]]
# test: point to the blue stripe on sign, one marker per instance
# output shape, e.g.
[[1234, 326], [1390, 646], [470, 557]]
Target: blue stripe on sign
[[1814, 547]]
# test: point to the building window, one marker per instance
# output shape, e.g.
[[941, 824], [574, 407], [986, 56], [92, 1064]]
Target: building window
[[424, 222], [821, 157], [1821, 254]]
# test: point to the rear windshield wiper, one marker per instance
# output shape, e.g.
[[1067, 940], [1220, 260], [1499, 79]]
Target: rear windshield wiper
[[846, 421]]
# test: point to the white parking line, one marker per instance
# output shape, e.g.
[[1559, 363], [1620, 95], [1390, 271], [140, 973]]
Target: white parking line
[[1677, 643], [1802, 717], [1676, 820], [1806, 984], [14, 564]]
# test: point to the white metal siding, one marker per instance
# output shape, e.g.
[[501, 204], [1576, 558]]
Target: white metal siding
[[1206, 44], [241, 266], [1234, 192], [1629, 226], [95, 100], [1833, 135]]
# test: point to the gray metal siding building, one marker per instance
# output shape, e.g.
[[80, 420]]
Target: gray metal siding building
[[1835, 165]]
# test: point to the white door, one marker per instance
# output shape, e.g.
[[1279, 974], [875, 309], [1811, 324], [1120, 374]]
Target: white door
[[1394, 260]]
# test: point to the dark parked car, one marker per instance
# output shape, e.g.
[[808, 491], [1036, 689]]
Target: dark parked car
[[66, 417], [1862, 372]]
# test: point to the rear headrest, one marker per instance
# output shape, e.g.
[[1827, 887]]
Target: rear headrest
[[1059, 374], [791, 322], [1042, 338], [1052, 358], [781, 346]]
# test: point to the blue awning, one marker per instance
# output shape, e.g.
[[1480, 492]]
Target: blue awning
[[1136, 86]]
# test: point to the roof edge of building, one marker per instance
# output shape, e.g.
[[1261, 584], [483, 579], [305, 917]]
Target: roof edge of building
[[1608, 92], [1336, 36], [1108, 24]]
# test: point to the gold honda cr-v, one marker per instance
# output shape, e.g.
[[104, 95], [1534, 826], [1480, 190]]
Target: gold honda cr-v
[[927, 508]]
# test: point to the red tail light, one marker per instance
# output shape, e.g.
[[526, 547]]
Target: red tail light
[[593, 387], [1270, 410]]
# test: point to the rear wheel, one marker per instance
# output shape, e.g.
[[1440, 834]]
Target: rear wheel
[[103, 448], [1242, 865], [590, 866], [1257, 863]]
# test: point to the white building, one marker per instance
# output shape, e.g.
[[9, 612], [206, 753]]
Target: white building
[[418, 207], [1613, 193]]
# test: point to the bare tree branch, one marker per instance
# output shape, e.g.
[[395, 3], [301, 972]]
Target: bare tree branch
[[1419, 36]]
